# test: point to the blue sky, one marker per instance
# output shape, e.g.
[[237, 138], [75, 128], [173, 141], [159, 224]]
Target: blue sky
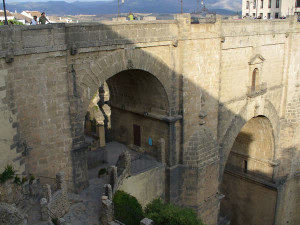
[[221, 4]]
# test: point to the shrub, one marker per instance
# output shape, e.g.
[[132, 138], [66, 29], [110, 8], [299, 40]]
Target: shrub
[[24, 179], [102, 172], [170, 214], [127, 208], [17, 180], [7, 174], [31, 179], [54, 221], [14, 22]]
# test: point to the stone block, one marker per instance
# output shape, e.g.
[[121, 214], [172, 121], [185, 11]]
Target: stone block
[[146, 221]]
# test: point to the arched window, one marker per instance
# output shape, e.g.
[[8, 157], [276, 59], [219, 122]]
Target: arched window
[[255, 78]]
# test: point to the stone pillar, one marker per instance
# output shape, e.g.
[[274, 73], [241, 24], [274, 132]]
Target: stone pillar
[[113, 177], [47, 192], [61, 221], [101, 132], [172, 160], [162, 144], [44, 210], [107, 191], [146, 221], [107, 212], [127, 162], [61, 182], [88, 126]]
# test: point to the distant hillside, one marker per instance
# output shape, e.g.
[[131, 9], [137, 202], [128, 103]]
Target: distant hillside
[[106, 7]]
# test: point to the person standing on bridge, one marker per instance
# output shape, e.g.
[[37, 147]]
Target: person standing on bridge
[[43, 19], [34, 21], [131, 17]]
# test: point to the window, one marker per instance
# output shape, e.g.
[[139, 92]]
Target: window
[[247, 5], [261, 15], [254, 4], [247, 14], [270, 4], [269, 15], [262, 4], [253, 15], [277, 4], [255, 75], [297, 3], [276, 15]]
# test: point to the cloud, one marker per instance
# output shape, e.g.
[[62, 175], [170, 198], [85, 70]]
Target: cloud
[[233, 5]]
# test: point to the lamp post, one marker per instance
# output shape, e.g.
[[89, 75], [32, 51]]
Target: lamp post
[[118, 8], [5, 22], [181, 6]]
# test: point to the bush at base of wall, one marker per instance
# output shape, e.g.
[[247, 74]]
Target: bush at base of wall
[[170, 214], [127, 209]]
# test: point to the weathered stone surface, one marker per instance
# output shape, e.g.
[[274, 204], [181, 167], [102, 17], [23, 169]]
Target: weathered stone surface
[[10, 215], [146, 221]]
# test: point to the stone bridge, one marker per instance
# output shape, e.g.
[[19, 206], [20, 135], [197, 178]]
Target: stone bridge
[[224, 97]]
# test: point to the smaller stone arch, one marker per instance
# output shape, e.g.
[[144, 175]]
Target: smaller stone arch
[[268, 111]]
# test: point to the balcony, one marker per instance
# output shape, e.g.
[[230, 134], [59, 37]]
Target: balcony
[[257, 90]]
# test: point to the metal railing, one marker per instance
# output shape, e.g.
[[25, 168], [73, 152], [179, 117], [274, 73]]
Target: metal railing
[[199, 18]]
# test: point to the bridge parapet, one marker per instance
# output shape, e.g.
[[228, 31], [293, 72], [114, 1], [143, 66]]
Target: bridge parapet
[[120, 33], [21, 40]]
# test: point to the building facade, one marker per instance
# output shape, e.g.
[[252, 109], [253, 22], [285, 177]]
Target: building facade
[[270, 9]]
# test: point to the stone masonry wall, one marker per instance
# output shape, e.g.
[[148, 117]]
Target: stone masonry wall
[[8, 130], [48, 75]]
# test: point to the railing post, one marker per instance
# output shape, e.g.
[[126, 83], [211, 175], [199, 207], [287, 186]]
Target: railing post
[[44, 210], [47, 192], [107, 212], [107, 191]]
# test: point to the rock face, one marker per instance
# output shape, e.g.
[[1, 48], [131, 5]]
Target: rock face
[[10, 215]]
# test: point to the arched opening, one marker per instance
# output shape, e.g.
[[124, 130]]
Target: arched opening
[[255, 80], [127, 112], [250, 194]]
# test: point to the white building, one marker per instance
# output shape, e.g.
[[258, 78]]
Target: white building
[[270, 8], [8, 15]]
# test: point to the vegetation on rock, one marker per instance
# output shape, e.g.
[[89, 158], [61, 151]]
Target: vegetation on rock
[[7, 174], [102, 171]]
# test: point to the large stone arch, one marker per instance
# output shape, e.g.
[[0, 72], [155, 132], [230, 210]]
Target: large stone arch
[[246, 113], [120, 60]]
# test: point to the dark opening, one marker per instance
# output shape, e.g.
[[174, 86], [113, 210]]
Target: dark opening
[[136, 135], [245, 166]]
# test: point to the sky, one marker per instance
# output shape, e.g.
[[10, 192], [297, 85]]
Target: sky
[[220, 4]]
